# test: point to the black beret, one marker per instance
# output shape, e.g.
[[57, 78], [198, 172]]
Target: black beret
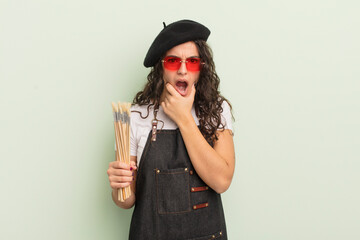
[[172, 35]]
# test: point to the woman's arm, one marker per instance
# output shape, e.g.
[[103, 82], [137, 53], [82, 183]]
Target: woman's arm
[[121, 176], [215, 166]]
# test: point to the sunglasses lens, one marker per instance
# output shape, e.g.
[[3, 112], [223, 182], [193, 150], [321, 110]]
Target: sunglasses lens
[[193, 64], [172, 63]]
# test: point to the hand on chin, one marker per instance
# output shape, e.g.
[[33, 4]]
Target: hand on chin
[[175, 105]]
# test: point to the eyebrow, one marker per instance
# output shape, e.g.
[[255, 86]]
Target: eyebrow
[[180, 57]]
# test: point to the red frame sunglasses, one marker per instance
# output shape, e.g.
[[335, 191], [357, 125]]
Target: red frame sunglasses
[[172, 63]]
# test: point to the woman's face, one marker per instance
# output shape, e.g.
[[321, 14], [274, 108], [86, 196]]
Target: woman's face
[[182, 79]]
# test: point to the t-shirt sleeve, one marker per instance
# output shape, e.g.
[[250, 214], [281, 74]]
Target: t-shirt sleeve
[[226, 117]]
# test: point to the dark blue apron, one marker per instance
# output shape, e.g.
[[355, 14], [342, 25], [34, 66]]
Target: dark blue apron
[[172, 202]]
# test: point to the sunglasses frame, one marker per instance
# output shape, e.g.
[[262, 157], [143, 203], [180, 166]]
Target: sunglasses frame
[[185, 61]]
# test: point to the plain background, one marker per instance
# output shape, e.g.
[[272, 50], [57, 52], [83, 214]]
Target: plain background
[[290, 69]]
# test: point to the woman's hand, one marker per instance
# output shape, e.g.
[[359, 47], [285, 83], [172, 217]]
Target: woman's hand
[[121, 174], [177, 107]]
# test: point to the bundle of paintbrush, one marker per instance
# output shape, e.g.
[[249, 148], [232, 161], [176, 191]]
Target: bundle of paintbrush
[[121, 113]]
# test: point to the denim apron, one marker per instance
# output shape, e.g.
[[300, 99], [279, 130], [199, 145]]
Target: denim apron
[[172, 202]]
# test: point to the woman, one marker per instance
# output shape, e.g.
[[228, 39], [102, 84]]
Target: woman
[[182, 152]]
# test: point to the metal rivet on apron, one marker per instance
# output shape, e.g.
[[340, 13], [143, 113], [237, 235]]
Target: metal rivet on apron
[[186, 169], [207, 204], [220, 233], [213, 236], [194, 207], [158, 171], [207, 187], [192, 189]]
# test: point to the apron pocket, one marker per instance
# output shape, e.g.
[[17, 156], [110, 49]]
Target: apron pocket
[[172, 190]]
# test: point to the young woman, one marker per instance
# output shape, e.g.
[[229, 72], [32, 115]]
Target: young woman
[[182, 152]]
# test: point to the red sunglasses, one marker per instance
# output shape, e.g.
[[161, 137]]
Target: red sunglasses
[[174, 63]]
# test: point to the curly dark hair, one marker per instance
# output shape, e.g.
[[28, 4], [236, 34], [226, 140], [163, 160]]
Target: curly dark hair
[[208, 101]]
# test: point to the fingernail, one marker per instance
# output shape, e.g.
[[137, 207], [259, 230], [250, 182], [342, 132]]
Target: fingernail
[[133, 178], [131, 168]]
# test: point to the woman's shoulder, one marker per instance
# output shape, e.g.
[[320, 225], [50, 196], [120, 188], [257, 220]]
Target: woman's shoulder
[[138, 107], [226, 115], [141, 108], [225, 105], [140, 113]]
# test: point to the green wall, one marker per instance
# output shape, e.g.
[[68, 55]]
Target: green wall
[[290, 69]]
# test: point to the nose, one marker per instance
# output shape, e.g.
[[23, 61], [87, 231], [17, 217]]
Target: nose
[[182, 69]]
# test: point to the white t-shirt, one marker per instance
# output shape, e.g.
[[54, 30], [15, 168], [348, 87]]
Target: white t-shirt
[[140, 127]]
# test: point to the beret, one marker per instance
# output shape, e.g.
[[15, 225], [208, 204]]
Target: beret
[[172, 35]]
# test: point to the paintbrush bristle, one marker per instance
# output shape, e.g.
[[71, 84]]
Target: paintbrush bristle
[[114, 107]]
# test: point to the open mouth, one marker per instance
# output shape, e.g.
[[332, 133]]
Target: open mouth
[[181, 87]]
